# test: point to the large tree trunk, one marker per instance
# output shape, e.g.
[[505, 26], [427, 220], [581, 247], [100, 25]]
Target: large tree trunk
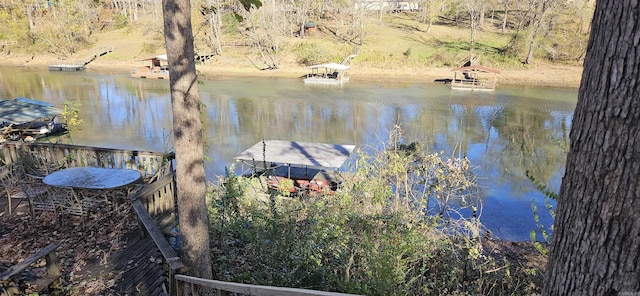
[[596, 240], [187, 132]]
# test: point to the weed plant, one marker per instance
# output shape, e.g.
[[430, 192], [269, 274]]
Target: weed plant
[[373, 236]]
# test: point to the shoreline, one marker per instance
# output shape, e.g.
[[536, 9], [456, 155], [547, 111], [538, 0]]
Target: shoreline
[[541, 74]]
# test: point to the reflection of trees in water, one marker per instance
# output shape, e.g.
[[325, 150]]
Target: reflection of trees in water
[[528, 140], [505, 140], [241, 122]]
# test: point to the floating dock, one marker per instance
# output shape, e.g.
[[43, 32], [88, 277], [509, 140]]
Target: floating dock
[[81, 66], [66, 68]]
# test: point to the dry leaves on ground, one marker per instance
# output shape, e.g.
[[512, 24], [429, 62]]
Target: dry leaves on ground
[[83, 247]]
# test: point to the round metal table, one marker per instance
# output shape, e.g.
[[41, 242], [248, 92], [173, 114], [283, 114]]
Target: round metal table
[[92, 178]]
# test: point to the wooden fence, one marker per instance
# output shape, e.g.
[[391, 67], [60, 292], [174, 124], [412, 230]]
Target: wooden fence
[[224, 288], [147, 163]]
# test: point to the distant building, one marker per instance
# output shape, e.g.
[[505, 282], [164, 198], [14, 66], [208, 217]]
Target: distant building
[[389, 5]]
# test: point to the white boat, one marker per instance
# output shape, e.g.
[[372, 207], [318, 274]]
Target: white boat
[[328, 74]]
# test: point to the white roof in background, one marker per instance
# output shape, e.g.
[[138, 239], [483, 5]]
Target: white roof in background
[[23, 110], [298, 153], [330, 66], [159, 57]]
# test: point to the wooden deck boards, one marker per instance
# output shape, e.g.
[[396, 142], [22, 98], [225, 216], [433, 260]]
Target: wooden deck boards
[[140, 269]]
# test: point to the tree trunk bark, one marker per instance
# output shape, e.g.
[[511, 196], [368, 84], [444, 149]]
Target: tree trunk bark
[[596, 240], [187, 131], [504, 17]]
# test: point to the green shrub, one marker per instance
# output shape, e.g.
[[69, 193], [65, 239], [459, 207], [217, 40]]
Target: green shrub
[[407, 53], [371, 237], [121, 21], [230, 25], [148, 48], [309, 53]]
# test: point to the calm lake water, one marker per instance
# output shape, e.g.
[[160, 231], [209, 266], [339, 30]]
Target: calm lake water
[[504, 133]]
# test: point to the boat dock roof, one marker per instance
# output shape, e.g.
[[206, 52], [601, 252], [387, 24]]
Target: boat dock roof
[[333, 66], [482, 69], [23, 110], [162, 57], [317, 155]]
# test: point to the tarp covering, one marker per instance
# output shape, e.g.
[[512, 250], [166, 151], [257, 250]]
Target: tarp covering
[[298, 153], [23, 110]]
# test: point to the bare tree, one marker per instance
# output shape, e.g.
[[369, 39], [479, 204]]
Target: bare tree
[[539, 25], [474, 9], [66, 27], [267, 33], [596, 240], [430, 10], [358, 12], [303, 9], [187, 132], [212, 12], [505, 15]]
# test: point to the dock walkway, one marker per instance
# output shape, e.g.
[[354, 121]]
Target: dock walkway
[[81, 65]]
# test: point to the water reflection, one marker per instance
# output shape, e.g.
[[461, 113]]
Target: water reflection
[[504, 133]]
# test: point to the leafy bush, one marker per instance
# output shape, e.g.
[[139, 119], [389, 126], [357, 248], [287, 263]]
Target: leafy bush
[[371, 237], [309, 54], [71, 115], [121, 21], [148, 48], [407, 53], [230, 25]]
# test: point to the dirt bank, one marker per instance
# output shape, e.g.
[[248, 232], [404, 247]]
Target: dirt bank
[[541, 74]]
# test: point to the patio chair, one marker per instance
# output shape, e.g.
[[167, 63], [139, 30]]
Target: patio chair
[[38, 196], [70, 202], [19, 185], [40, 166]]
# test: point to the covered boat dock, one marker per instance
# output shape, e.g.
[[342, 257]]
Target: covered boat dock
[[330, 73], [158, 68], [307, 164], [474, 78]]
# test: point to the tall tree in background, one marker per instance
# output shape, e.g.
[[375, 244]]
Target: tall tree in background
[[596, 241], [539, 26], [212, 11], [473, 8], [64, 27], [504, 16], [187, 133]]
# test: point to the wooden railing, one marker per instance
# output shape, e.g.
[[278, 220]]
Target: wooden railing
[[53, 270], [156, 201], [159, 200], [147, 163], [245, 289]]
